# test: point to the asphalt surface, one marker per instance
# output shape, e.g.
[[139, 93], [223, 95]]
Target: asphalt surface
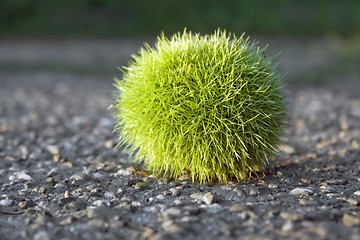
[[62, 178]]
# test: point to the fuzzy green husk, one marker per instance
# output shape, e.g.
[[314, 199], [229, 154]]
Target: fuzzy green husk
[[208, 105]]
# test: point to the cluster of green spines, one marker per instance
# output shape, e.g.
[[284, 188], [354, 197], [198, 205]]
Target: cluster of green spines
[[208, 105]]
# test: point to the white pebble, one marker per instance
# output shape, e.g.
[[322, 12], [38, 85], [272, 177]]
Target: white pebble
[[357, 193], [160, 197], [53, 149], [99, 203], [123, 172], [136, 204], [109, 195], [287, 227], [98, 175], [301, 191], [23, 176], [5, 202]]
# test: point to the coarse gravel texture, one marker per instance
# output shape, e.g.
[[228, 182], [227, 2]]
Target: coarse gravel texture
[[61, 178]]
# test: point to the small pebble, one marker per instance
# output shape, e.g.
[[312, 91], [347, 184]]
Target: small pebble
[[123, 172], [207, 198], [254, 192], [171, 213], [99, 203], [171, 227], [66, 194], [238, 208], [53, 149], [98, 175], [287, 149], [23, 176], [109, 195], [337, 181], [142, 186], [350, 220], [213, 208], [136, 204], [70, 219], [26, 204], [42, 235], [353, 202], [24, 151], [309, 202], [327, 189], [319, 229], [301, 192], [174, 191], [273, 186], [287, 227], [291, 216], [160, 197], [5, 202], [108, 144], [248, 214]]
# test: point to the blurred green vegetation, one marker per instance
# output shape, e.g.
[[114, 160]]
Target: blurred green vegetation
[[146, 17]]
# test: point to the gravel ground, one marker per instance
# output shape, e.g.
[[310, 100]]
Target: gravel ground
[[61, 178]]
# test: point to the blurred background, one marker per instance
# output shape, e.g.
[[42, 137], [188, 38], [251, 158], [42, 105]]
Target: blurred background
[[113, 18], [96, 36]]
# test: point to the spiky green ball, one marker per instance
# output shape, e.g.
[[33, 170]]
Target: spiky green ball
[[208, 105]]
